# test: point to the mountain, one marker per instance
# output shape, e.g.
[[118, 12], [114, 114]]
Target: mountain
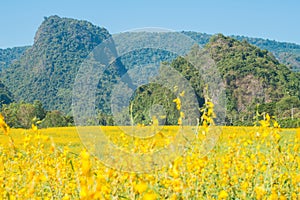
[[6, 96], [9, 55], [286, 53], [47, 70], [252, 76]]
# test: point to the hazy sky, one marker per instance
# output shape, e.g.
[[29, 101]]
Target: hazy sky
[[272, 19]]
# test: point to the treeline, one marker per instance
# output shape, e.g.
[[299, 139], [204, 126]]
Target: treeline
[[286, 111], [23, 115]]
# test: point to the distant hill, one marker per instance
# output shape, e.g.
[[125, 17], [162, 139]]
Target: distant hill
[[47, 70], [252, 76], [286, 53], [6, 96], [9, 55]]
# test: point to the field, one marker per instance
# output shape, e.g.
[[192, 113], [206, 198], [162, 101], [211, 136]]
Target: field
[[245, 163]]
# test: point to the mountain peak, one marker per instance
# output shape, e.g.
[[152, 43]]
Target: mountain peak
[[252, 75], [49, 67], [55, 27]]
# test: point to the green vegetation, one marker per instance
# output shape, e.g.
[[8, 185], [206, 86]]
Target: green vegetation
[[286, 53], [20, 115], [5, 96], [23, 115], [46, 72], [253, 76], [9, 55]]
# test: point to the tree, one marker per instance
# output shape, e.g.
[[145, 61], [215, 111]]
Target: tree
[[25, 115], [20, 115], [10, 112], [54, 119], [40, 112]]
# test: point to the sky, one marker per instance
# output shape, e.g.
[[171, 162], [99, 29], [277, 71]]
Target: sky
[[273, 19]]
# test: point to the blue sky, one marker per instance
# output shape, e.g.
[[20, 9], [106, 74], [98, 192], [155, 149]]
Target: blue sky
[[272, 19]]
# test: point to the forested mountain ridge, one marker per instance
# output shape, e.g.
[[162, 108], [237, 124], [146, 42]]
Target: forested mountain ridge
[[286, 53], [252, 76], [47, 70], [9, 55], [6, 96]]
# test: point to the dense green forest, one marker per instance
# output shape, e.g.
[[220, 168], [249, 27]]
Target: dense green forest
[[253, 76], [6, 96], [38, 80], [47, 70], [286, 53], [9, 55]]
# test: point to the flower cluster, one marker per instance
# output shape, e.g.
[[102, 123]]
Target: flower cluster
[[247, 163]]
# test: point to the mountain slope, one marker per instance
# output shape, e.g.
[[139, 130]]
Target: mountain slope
[[47, 70], [286, 53], [251, 75], [9, 55], [5, 95]]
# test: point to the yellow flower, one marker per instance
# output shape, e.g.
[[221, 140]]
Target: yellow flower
[[274, 195], [277, 136], [223, 195], [83, 192], [276, 125], [268, 117], [150, 196], [179, 121], [244, 186], [177, 101], [34, 127], [141, 187], [177, 185], [85, 162], [298, 134], [182, 114], [3, 125], [173, 197], [260, 192], [181, 94], [210, 104], [282, 198]]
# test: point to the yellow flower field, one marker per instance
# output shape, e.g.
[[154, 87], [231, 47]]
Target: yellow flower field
[[245, 163]]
